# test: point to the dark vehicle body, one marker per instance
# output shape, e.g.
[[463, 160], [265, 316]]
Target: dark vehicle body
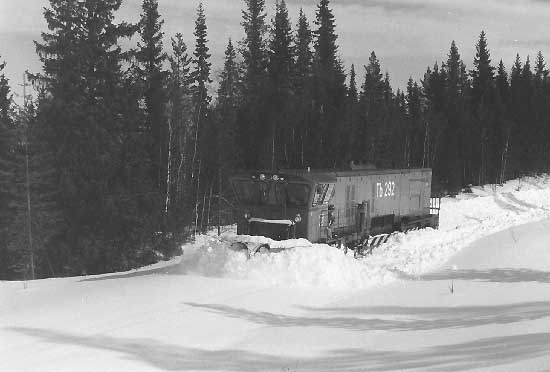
[[335, 207]]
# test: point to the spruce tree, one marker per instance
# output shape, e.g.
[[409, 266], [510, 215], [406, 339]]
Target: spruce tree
[[304, 56], [280, 66], [415, 125], [326, 49], [254, 49], [528, 119], [329, 89], [181, 119], [371, 106], [254, 137], [7, 146], [502, 108], [151, 57], [352, 87], [303, 87], [229, 99], [482, 74], [280, 49], [454, 148], [351, 124], [202, 64], [482, 96], [203, 138], [542, 111], [541, 72], [36, 219]]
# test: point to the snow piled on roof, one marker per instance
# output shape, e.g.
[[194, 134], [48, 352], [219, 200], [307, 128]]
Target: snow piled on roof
[[463, 220]]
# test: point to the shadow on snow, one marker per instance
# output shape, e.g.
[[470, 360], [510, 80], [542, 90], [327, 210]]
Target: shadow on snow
[[376, 318], [505, 275], [453, 357]]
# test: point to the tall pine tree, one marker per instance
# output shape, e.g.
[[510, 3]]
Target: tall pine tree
[[253, 135], [329, 88], [482, 97], [151, 57], [202, 65], [280, 68], [229, 99], [303, 88]]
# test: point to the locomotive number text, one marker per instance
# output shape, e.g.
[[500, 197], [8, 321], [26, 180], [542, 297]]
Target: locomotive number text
[[385, 189]]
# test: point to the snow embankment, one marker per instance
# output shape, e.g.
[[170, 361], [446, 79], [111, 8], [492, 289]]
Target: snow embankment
[[463, 220]]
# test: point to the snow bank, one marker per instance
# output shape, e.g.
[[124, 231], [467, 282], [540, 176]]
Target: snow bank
[[304, 265], [463, 220]]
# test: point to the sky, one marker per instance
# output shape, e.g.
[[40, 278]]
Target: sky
[[406, 35]]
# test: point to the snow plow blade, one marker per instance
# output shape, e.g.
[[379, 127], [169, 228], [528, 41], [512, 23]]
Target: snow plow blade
[[366, 247], [250, 249]]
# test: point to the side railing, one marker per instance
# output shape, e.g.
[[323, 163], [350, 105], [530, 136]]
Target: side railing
[[435, 205]]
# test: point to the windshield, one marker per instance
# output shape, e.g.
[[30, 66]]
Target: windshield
[[272, 193]]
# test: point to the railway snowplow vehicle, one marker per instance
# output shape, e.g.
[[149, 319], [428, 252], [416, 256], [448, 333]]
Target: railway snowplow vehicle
[[355, 208]]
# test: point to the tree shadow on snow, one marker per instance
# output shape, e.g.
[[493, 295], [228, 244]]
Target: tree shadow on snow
[[507, 205], [173, 269], [491, 275], [452, 357], [384, 318], [519, 202]]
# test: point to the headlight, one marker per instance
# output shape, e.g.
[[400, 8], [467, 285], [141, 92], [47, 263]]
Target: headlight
[[247, 215], [298, 218]]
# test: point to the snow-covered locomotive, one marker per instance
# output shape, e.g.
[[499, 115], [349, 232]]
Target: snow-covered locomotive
[[354, 208]]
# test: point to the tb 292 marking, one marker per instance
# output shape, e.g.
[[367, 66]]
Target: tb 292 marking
[[385, 189]]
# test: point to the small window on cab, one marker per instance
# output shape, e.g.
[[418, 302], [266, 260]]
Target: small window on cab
[[323, 193]]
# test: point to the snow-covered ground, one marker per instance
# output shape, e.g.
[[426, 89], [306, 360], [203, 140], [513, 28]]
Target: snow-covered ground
[[473, 295]]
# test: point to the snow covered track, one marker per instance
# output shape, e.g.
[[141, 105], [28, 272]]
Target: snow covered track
[[464, 220]]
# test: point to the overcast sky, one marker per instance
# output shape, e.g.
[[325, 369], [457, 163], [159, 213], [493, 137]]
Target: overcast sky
[[407, 35]]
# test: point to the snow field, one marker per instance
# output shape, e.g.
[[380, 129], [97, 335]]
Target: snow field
[[463, 220]]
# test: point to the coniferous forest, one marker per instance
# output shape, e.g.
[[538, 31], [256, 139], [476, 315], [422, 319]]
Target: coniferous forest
[[121, 152]]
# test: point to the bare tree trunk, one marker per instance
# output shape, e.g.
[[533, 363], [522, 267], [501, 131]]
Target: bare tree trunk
[[202, 213], [302, 151], [406, 155], [219, 201], [209, 204], [169, 169], [182, 178], [482, 167], [29, 215], [504, 158], [273, 147], [197, 122], [426, 146], [197, 199]]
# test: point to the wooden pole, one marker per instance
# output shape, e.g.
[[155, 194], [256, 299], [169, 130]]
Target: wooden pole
[[219, 200], [27, 180], [29, 222], [197, 199]]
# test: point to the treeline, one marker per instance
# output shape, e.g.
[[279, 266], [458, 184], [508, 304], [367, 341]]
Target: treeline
[[123, 150]]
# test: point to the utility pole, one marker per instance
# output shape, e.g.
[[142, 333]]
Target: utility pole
[[219, 200], [27, 180]]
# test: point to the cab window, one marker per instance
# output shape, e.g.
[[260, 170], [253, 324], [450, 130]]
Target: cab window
[[323, 193], [297, 194]]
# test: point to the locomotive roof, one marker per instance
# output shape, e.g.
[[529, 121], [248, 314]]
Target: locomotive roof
[[331, 175], [327, 175]]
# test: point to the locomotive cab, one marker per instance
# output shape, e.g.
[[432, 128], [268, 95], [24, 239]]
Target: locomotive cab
[[272, 205]]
